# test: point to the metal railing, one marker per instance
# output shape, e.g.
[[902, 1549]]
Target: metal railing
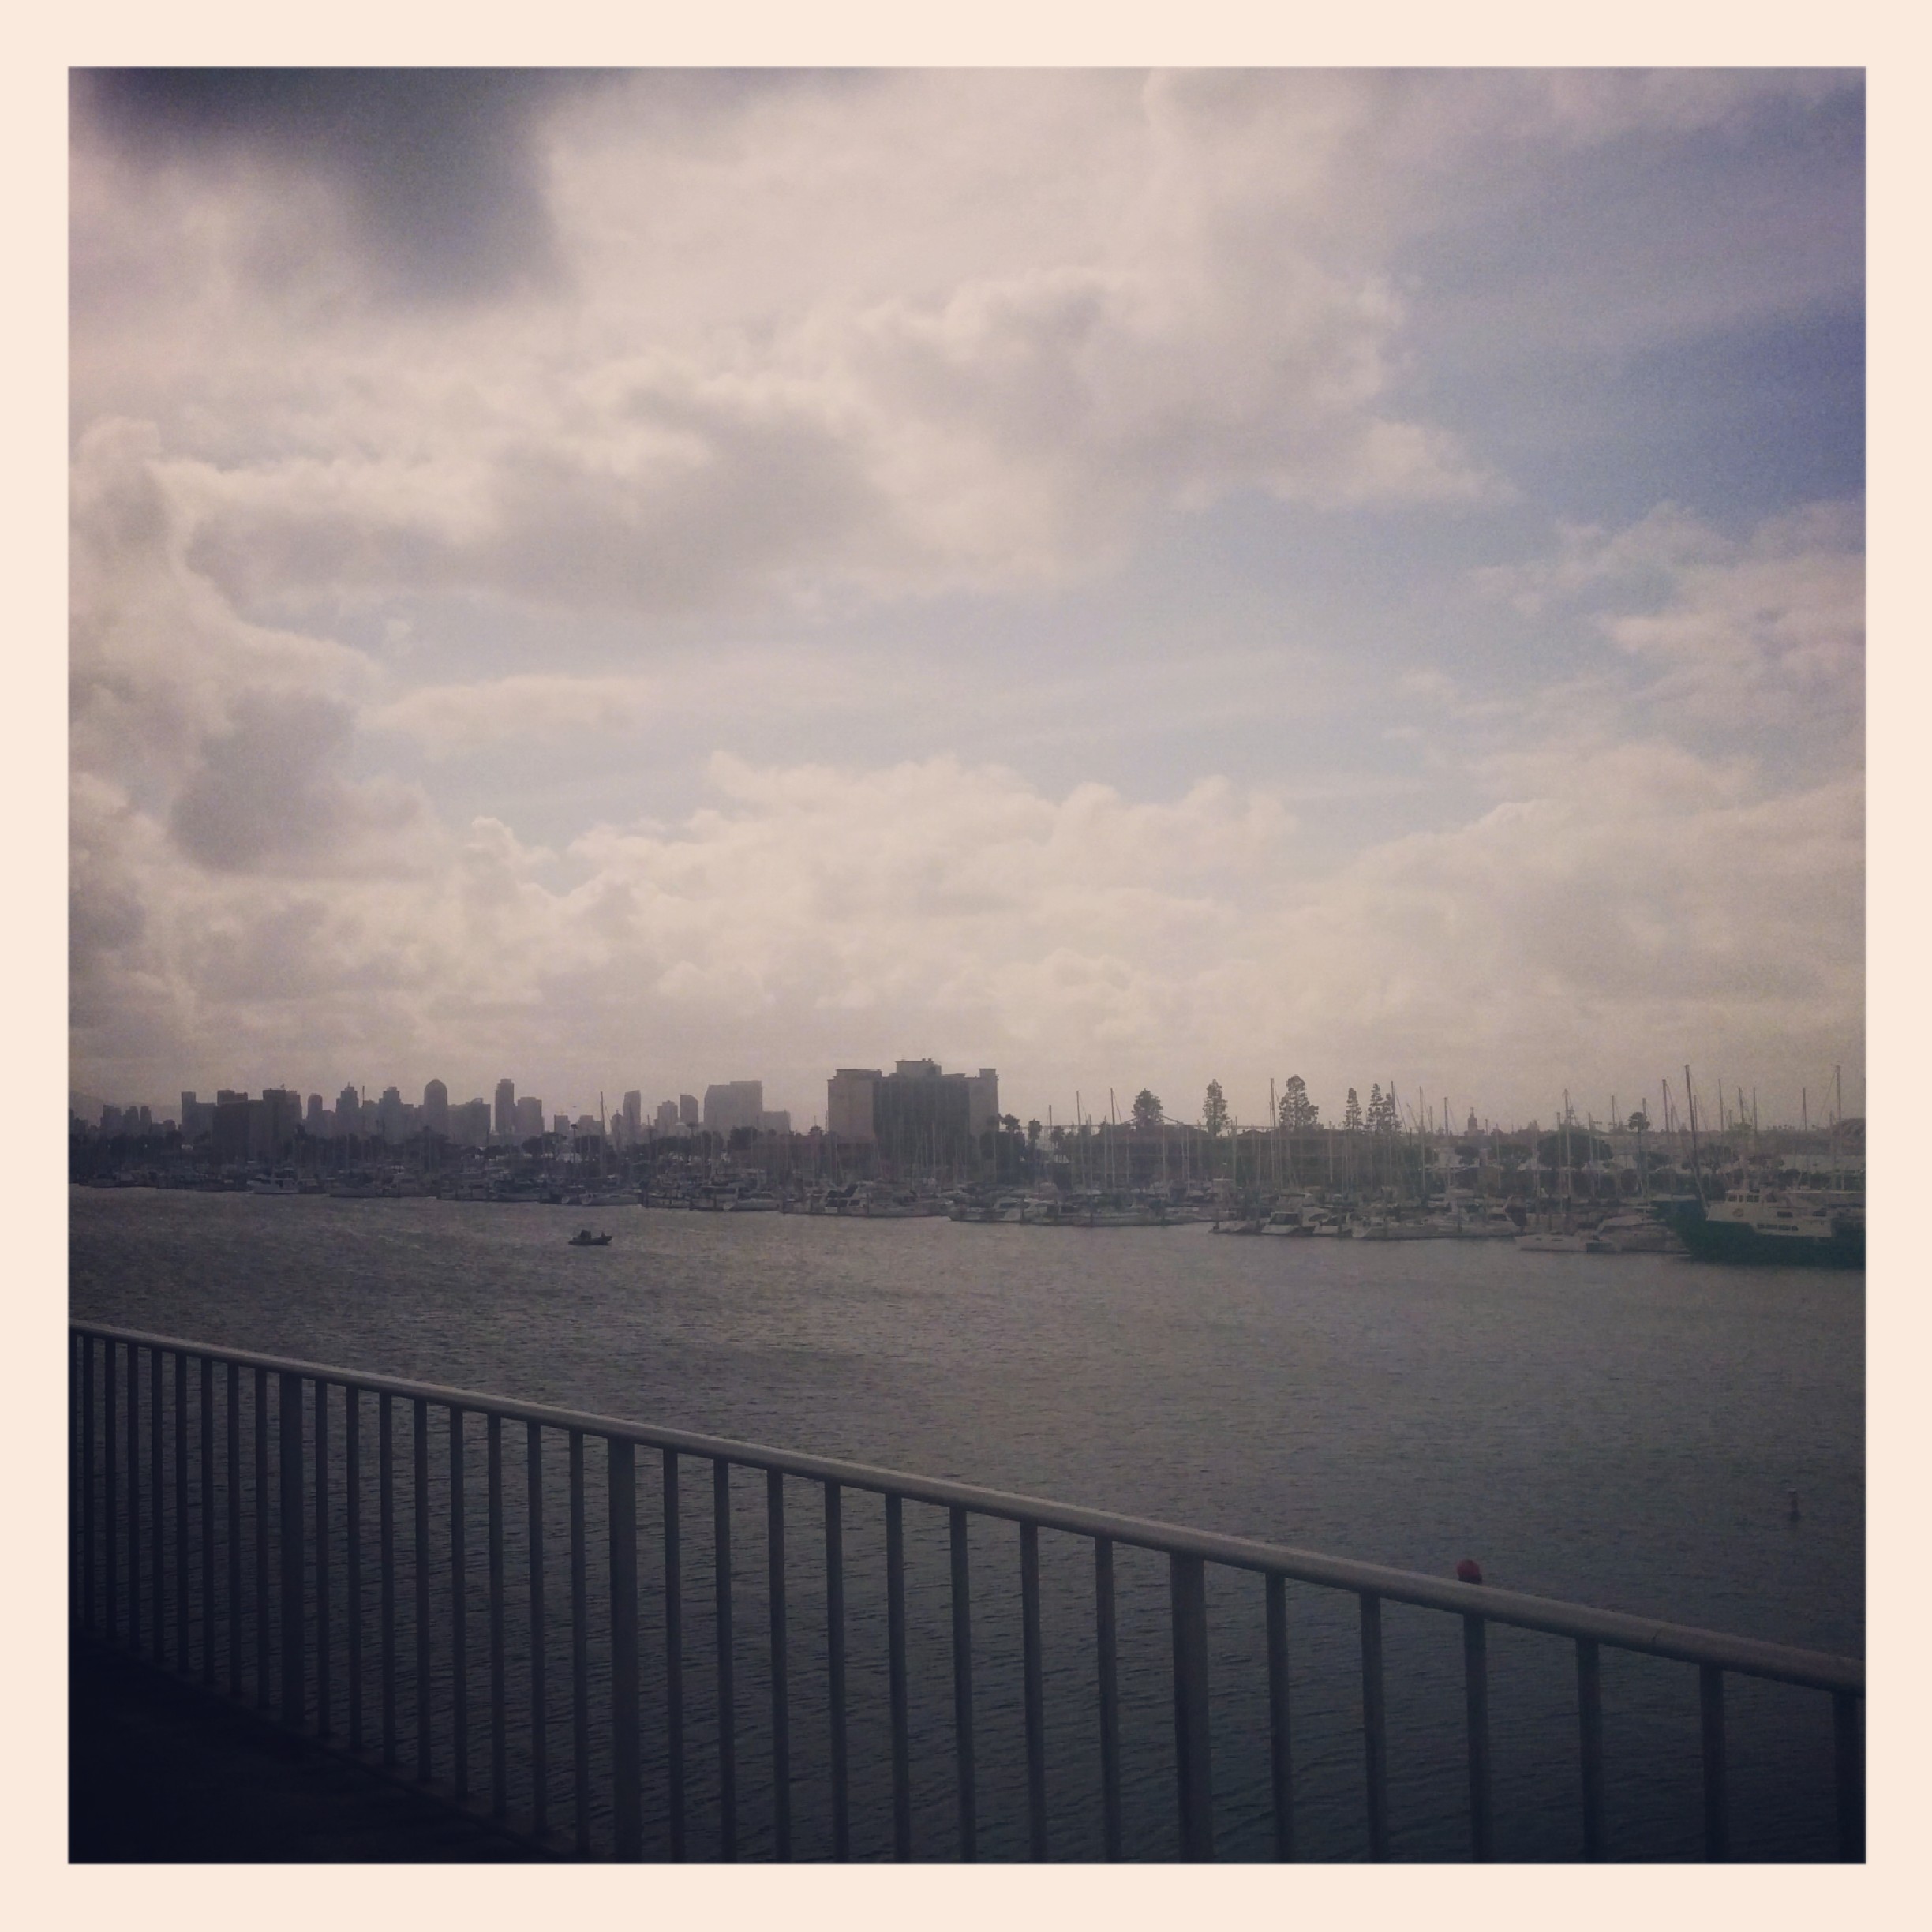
[[120, 1555]]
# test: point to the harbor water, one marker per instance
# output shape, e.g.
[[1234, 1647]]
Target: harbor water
[[1622, 1430]]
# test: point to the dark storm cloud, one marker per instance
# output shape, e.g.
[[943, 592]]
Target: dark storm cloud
[[440, 169], [269, 795]]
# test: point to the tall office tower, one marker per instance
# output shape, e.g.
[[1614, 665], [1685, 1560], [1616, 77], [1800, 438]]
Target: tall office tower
[[633, 1111], [435, 1109], [849, 1095], [983, 1099], [731, 1104], [666, 1121], [348, 1113], [506, 1121], [389, 1111], [281, 1113], [688, 1114], [315, 1122], [526, 1118]]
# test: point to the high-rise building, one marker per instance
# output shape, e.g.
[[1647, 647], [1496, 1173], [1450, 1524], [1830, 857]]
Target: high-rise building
[[688, 1115], [348, 1113], [389, 1113], [281, 1114], [469, 1124], [232, 1124], [527, 1121], [849, 1095], [924, 1119], [775, 1121], [436, 1108], [633, 1111], [315, 1122], [983, 1099], [668, 1121], [732, 1104], [506, 1119]]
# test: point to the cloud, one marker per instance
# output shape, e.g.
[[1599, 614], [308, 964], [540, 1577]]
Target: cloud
[[438, 174], [1765, 630], [1611, 912], [758, 377], [268, 793], [449, 718]]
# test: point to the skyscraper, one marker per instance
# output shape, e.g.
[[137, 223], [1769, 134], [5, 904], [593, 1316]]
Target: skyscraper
[[435, 1109], [505, 1107], [348, 1113], [733, 1103], [633, 1111]]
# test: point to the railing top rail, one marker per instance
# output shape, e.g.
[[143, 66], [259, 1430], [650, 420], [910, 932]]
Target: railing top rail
[[1685, 1643]]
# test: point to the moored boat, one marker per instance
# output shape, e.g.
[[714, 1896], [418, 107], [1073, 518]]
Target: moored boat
[[1764, 1227]]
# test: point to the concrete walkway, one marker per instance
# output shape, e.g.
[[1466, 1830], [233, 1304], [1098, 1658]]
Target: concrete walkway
[[160, 1771]]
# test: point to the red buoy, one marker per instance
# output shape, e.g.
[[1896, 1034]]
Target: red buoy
[[1469, 1571]]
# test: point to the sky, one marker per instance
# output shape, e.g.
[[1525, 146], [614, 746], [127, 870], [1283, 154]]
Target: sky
[[646, 579]]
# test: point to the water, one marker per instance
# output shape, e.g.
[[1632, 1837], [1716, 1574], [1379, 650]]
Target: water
[[1619, 1431]]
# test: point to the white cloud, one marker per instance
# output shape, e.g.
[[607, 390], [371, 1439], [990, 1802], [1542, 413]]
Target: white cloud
[[447, 718], [1615, 911], [1765, 630]]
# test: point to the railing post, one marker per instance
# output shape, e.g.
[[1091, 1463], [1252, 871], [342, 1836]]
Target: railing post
[[727, 1694], [419, 1445], [1375, 1736], [1848, 1766], [385, 1535], [324, 1699], [835, 1669], [580, 1649], [540, 1742], [158, 1531], [1281, 1763], [1033, 1690], [626, 1812], [234, 1530], [208, 1519], [110, 1501], [1716, 1809], [1188, 1594], [87, 1480], [294, 1686], [780, 1697], [1476, 1706], [262, 1694], [895, 1676], [133, 1500], [674, 1652], [1107, 1648], [1590, 1720], [76, 1369], [183, 1641], [962, 1688], [499, 1743], [352, 1528], [459, 1614]]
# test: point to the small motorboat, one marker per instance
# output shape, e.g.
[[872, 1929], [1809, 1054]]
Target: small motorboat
[[584, 1238]]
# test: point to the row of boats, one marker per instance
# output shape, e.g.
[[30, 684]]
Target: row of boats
[[1753, 1224]]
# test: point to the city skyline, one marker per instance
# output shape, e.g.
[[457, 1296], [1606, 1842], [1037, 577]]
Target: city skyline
[[1131, 579]]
